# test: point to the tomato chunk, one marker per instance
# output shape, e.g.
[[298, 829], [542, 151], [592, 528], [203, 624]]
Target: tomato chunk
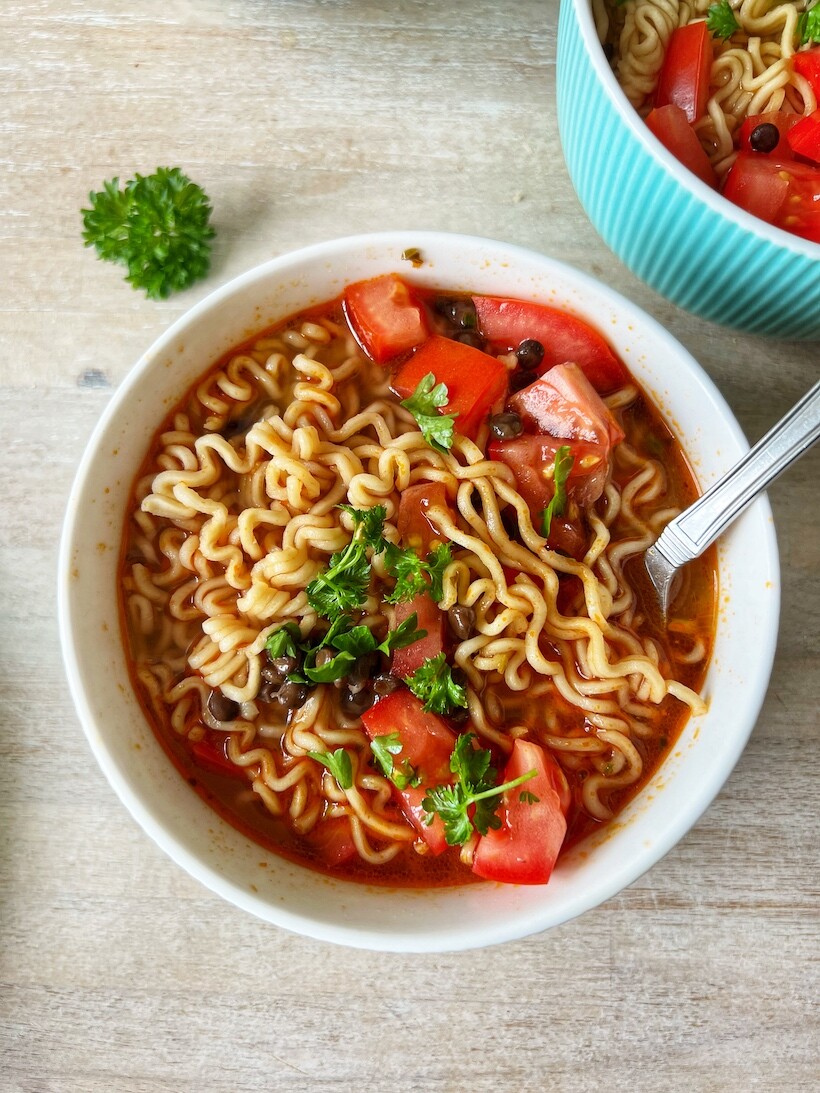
[[332, 841], [427, 744], [804, 137], [670, 125], [782, 121], [210, 754], [526, 846], [807, 63], [564, 403], [430, 618], [507, 323], [384, 316], [684, 75], [564, 409], [757, 185], [800, 212], [476, 382], [415, 530]]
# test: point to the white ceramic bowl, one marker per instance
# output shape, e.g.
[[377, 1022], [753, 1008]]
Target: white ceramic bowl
[[287, 894], [672, 230]]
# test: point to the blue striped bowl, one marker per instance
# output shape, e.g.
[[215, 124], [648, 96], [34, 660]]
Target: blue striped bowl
[[678, 235]]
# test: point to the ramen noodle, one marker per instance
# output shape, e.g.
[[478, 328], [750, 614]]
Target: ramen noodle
[[348, 612]]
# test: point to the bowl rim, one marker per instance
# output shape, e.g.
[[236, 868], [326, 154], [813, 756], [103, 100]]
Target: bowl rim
[[606, 886], [715, 201]]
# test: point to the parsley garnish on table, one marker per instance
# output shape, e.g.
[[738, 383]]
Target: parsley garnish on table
[[474, 790], [561, 471], [424, 404], [157, 226], [433, 683]]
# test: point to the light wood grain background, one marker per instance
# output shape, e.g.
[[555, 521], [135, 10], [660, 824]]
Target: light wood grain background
[[304, 120]]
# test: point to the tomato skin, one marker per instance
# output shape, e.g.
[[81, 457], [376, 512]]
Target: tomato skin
[[804, 137], [684, 75], [786, 192], [506, 323], [427, 743], [807, 63], [415, 530], [475, 381], [755, 184], [670, 125], [332, 841], [532, 457], [564, 403], [384, 316], [781, 120], [211, 755], [525, 848], [430, 618]]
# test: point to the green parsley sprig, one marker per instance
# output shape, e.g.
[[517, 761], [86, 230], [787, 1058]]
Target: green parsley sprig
[[808, 26], [470, 803], [386, 750], [338, 763], [414, 575], [157, 226], [424, 404], [433, 683], [342, 587], [561, 470], [721, 21], [350, 642]]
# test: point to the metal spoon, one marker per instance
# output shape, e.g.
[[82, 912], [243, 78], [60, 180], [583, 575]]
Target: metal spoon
[[689, 534]]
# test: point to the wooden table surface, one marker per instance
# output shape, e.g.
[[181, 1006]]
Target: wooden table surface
[[307, 119]]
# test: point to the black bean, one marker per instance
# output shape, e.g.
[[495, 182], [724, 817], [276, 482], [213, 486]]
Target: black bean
[[361, 672], [462, 620], [471, 338], [519, 380], [277, 670], [291, 696], [267, 692], [530, 353], [764, 138], [461, 312], [355, 704], [385, 684], [459, 715], [222, 708], [507, 425], [323, 657]]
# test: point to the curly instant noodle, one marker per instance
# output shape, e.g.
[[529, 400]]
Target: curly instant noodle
[[237, 510]]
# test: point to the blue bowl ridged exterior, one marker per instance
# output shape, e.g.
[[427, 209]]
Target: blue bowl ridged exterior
[[668, 236]]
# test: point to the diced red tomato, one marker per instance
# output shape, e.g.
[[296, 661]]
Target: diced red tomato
[[532, 460], [564, 403], [684, 75], [566, 410], [783, 123], [384, 316], [800, 212], [427, 744], [332, 841], [783, 192], [804, 137], [807, 63], [525, 848], [670, 125], [507, 323], [430, 618], [211, 755], [415, 530], [756, 185], [476, 382]]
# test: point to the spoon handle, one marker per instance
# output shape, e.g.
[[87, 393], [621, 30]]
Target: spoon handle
[[688, 535]]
